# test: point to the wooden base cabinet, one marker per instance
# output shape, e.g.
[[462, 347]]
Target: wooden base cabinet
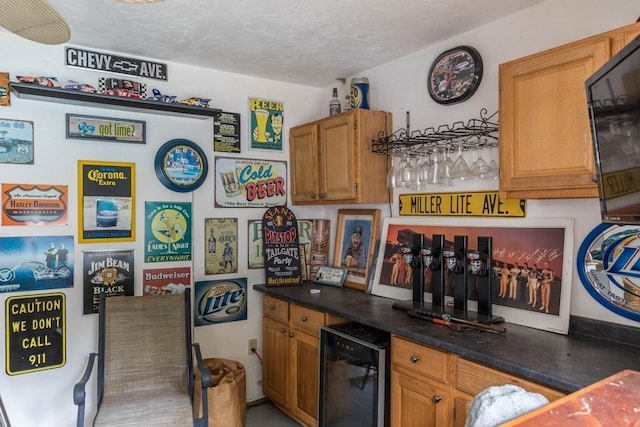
[[430, 387], [331, 159], [291, 355], [546, 149]]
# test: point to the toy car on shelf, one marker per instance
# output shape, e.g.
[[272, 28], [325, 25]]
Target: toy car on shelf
[[82, 87], [124, 93], [157, 96], [42, 81], [196, 102]]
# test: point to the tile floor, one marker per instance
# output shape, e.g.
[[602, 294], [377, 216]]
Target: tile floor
[[267, 415]]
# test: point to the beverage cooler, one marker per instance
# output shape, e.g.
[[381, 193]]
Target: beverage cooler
[[354, 376]]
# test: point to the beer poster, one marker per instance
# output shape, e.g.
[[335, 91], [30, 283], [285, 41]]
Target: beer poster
[[266, 124], [250, 183], [162, 281], [28, 204], [110, 272], [106, 201], [221, 244], [167, 231], [281, 247], [36, 263], [220, 301]]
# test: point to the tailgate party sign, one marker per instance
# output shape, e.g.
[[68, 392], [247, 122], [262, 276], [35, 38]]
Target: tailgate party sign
[[35, 333], [281, 247], [250, 183]]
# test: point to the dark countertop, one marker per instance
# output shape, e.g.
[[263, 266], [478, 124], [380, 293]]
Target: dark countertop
[[564, 362]]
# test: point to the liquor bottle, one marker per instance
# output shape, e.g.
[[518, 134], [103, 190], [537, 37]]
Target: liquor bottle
[[347, 103], [334, 104], [212, 242]]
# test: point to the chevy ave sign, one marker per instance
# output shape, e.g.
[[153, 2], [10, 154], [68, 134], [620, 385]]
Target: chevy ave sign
[[109, 63]]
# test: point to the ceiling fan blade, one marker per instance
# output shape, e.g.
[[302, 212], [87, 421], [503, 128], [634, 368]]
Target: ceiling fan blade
[[35, 20]]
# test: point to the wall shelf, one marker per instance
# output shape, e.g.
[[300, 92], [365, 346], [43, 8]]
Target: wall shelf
[[97, 100]]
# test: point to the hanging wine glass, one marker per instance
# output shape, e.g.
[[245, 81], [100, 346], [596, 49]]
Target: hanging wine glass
[[401, 165], [436, 167], [481, 169], [392, 175], [460, 169], [409, 174], [494, 172]]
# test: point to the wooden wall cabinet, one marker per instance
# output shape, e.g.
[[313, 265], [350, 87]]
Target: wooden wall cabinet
[[546, 149], [430, 387], [290, 360], [331, 159]]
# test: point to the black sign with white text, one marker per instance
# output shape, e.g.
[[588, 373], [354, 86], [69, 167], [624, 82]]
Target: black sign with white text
[[110, 63]]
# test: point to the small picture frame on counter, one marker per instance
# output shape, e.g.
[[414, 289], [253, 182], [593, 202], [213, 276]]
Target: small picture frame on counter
[[332, 276]]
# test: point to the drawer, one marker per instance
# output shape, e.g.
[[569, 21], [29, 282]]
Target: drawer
[[420, 359], [275, 308], [473, 377], [306, 320]]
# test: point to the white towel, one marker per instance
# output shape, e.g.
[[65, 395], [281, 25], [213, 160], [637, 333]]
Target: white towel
[[496, 405]]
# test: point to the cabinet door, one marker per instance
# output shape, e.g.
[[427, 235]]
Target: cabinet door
[[303, 143], [545, 140], [305, 371], [338, 158], [275, 360], [417, 403]]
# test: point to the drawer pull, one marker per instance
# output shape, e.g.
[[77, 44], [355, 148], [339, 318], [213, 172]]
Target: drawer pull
[[414, 359], [436, 398], [291, 334], [304, 318], [272, 307], [283, 330]]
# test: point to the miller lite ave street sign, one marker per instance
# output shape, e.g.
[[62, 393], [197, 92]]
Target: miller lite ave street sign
[[109, 63], [487, 204]]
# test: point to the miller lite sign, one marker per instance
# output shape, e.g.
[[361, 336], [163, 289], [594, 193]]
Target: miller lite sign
[[281, 247]]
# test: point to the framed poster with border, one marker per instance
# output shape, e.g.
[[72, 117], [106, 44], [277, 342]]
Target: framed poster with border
[[523, 244], [356, 233]]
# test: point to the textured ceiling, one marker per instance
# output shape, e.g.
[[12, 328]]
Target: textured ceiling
[[309, 42]]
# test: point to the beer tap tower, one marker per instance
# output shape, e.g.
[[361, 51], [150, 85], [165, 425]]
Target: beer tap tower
[[438, 260]]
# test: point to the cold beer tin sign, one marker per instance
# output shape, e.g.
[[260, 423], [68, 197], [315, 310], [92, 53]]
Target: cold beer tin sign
[[250, 183]]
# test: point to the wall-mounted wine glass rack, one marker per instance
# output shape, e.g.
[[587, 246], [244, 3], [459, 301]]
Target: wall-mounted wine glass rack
[[476, 133]]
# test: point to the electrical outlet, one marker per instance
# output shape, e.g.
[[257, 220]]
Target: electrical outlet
[[253, 345]]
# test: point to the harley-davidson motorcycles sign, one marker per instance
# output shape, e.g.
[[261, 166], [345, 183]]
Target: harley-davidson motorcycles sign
[[27, 204]]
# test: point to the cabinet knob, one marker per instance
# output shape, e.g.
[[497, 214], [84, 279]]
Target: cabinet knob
[[313, 195], [304, 318], [322, 195], [414, 359], [291, 334], [594, 178], [436, 398], [272, 307], [283, 330]]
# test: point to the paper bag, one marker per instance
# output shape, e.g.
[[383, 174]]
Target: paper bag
[[227, 395]]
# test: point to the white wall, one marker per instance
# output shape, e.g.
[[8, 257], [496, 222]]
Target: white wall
[[400, 86], [45, 398]]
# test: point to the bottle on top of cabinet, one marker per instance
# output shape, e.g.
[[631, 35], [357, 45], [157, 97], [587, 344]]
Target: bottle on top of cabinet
[[334, 104]]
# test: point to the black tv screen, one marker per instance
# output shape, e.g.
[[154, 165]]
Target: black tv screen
[[613, 95]]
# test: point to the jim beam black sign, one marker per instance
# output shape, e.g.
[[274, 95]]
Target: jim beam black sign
[[281, 247], [107, 62]]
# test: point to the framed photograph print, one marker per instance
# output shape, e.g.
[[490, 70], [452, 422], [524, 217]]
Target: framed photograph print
[[525, 254], [356, 233], [332, 276]]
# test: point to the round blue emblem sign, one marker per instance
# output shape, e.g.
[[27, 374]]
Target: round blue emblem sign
[[609, 268]]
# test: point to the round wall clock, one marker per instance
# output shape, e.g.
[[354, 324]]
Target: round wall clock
[[455, 75], [181, 165]]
